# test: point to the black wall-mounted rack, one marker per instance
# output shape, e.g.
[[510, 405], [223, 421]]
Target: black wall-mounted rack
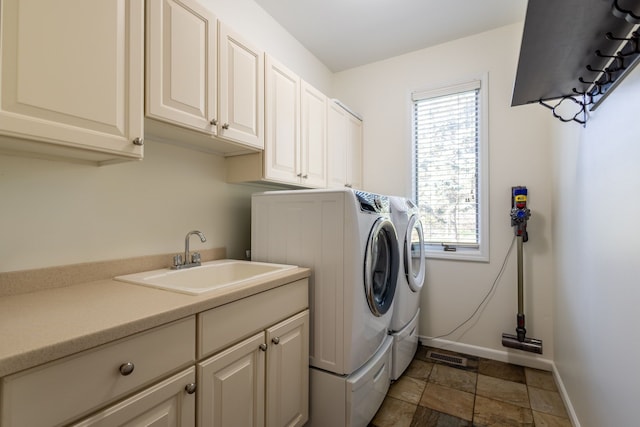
[[576, 52]]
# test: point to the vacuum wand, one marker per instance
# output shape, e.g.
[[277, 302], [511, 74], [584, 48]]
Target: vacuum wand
[[519, 216]]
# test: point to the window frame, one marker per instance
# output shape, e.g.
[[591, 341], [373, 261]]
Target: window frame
[[462, 252]]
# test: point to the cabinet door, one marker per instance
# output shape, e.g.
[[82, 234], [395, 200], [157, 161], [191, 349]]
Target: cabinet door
[[337, 146], [72, 77], [171, 403], [241, 89], [181, 64], [282, 123], [314, 137], [354, 152], [231, 386], [288, 372]]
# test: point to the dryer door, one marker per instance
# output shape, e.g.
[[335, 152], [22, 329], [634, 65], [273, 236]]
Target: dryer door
[[381, 263], [414, 261]]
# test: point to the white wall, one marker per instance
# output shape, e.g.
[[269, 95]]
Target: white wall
[[57, 213], [519, 155], [596, 235]]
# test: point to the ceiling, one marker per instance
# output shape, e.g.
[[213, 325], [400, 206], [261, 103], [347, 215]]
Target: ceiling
[[347, 33]]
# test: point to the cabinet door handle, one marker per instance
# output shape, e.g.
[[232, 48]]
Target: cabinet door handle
[[263, 347], [305, 176], [126, 368], [225, 126], [275, 340], [299, 175], [138, 141], [190, 388], [214, 122]]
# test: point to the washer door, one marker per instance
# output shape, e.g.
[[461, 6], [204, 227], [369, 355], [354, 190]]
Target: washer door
[[381, 262], [414, 261]]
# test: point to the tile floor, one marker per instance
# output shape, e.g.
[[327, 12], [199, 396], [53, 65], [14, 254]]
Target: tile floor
[[485, 393]]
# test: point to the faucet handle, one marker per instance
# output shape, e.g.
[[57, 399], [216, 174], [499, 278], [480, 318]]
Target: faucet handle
[[177, 260], [195, 258]]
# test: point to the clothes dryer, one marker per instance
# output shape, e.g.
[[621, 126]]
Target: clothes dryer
[[347, 239], [404, 322]]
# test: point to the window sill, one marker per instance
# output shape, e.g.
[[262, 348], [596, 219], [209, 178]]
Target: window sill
[[461, 254]]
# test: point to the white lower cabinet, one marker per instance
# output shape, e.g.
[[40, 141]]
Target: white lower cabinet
[[232, 383], [66, 390], [288, 372], [171, 403], [241, 364], [232, 386]]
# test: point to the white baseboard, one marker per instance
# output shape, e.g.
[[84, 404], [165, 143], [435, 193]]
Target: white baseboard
[[565, 397], [509, 356]]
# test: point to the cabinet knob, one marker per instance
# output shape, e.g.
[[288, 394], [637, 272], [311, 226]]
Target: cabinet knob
[[190, 388], [214, 122], [348, 185], [299, 175], [225, 126], [263, 347], [305, 176], [275, 340], [138, 141], [126, 368]]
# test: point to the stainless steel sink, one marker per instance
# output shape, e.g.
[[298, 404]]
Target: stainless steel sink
[[209, 276]]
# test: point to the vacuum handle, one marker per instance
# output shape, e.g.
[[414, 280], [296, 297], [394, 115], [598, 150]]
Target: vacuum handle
[[519, 211]]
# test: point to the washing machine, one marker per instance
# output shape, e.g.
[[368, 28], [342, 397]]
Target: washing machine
[[348, 240], [405, 216]]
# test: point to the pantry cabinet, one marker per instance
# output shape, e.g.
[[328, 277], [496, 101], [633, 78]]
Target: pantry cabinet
[[345, 148], [72, 85], [205, 82]]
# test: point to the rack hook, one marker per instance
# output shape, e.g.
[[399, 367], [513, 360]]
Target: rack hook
[[625, 14], [619, 59], [633, 41], [595, 92]]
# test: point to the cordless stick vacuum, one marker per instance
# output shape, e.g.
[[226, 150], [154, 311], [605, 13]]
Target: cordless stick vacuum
[[519, 216]]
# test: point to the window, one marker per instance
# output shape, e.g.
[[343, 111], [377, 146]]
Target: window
[[450, 159]]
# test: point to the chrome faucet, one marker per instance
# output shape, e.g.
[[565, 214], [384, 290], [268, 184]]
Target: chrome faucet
[[188, 261]]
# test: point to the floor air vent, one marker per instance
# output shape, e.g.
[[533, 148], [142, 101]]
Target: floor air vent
[[447, 358]]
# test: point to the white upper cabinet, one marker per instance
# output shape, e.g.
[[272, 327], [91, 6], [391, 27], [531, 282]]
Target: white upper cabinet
[[337, 145], [345, 148], [72, 78], [314, 137], [205, 83], [241, 89], [354, 152], [181, 64], [295, 151], [282, 127]]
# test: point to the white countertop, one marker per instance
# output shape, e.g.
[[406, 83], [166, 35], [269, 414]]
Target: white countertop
[[45, 325]]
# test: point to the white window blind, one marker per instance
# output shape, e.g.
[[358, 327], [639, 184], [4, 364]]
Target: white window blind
[[446, 160]]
